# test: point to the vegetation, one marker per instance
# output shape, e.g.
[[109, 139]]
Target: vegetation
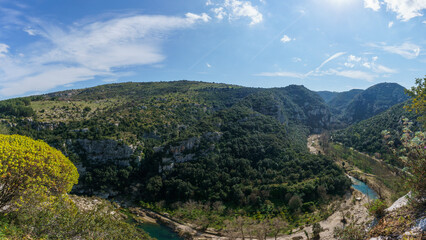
[[352, 231], [418, 100], [32, 167], [366, 136], [61, 218], [377, 208], [34, 181], [185, 141]]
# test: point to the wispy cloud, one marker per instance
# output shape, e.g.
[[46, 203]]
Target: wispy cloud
[[3, 49], [353, 74], [235, 9], [195, 17], [96, 49], [390, 24], [336, 55], [407, 50]]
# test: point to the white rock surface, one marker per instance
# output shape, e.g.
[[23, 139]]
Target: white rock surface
[[402, 201]]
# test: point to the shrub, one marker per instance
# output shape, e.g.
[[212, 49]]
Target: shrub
[[29, 166], [377, 208], [62, 217]]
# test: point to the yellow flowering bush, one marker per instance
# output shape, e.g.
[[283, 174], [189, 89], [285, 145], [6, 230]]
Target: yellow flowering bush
[[30, 166]]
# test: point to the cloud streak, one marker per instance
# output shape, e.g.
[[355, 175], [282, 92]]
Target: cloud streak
[[407, 50], [336, 55]]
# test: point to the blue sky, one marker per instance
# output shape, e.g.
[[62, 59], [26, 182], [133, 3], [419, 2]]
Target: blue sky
[[51, 45]]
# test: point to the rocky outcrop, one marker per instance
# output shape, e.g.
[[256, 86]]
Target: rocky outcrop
[[185, 151]]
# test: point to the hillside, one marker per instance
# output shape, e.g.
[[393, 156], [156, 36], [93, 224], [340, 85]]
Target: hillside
[[184, 140], [327, 95], [366, 136], [342, 100], [373, 101]]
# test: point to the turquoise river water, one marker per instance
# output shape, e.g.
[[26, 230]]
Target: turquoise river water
[[160, 232], [362, 187]]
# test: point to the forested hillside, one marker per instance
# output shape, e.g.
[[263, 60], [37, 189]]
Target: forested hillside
[[184, 140], [356, 105], [366, 135]]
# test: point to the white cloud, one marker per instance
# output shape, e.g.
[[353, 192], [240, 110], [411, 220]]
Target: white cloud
[[94, 49], [208, 65], [236, 9], [406, 50], [3, 49], [296, 59], [366, 65], [209, 3], [286, 39], [424, 22], [373, 4], [375, 58], [406, 9], [390, 24], [195, 17], [353, 58], [220, 12], [349, 65], [336, 55]]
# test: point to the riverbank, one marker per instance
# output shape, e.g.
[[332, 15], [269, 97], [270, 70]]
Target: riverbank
[[350, 209], [184, 230]]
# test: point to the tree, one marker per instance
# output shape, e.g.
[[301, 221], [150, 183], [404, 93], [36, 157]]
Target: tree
[[413, 150], [316, 230], [418, 100], [28, 166], [295, 203]]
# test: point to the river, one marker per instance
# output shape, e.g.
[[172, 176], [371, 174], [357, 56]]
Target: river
[[159, 232], [362, 187]]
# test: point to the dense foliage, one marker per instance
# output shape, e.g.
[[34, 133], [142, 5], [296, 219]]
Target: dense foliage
[[28, 166], [418, 100], [62, 218], [189, 140], [16, 107]]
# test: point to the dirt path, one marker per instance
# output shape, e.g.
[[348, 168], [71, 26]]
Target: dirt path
[[352, 209], [313, 144]]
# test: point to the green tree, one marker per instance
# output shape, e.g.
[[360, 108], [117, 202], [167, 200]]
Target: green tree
[[418, 100], [32, 167]]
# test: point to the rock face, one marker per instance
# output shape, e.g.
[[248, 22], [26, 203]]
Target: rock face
[[101, 151], [184, 151], [103, 155]]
